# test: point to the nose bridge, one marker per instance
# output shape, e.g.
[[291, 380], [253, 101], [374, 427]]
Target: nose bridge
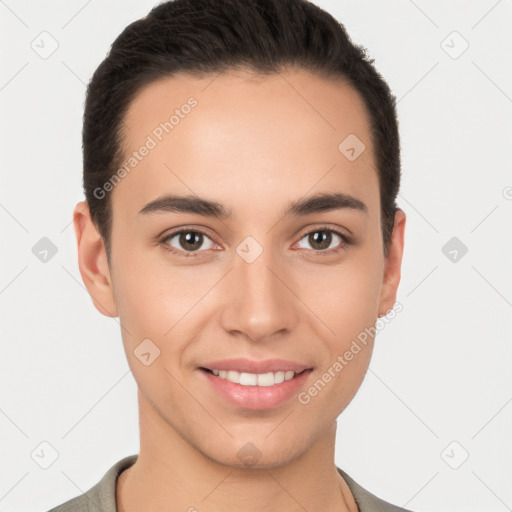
[[258, 303]]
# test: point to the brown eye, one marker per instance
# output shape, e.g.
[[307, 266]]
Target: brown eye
[[321, 240], [187, 241]]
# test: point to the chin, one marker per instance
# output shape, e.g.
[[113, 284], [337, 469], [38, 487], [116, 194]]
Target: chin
[[258, 454]]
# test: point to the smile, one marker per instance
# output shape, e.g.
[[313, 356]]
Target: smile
[[254, 379]]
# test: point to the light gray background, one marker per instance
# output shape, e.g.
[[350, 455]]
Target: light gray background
[[441, 370]]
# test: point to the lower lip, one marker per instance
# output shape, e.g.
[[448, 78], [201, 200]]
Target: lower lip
[[257, 397]]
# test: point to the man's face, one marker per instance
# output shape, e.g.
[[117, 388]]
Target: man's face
[[258, 284]]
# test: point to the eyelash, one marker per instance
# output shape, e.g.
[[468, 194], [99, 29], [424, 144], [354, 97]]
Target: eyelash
[[346, 242]]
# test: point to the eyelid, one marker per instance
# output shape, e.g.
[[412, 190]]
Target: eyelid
[[325, 227]]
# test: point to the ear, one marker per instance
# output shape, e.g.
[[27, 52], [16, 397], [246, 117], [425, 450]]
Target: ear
[[92, 261], [393, 265]]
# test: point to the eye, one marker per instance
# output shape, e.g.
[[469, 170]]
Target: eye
[[188, 241], [321, 240]]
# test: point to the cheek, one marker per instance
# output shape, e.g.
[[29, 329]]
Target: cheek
[[349, 307], [346, 296], [150, 293], [151, 302], [162, 303]]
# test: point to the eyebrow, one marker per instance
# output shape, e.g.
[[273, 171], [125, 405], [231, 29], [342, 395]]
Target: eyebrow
[[322, 202]]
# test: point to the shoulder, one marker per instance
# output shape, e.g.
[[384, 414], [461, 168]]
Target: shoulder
[[366, 501], [102, 496]]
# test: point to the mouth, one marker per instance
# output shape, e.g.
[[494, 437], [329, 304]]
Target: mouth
[[257, 392]]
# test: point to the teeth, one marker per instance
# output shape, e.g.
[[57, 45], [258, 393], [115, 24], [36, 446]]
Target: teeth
[[253, 379]]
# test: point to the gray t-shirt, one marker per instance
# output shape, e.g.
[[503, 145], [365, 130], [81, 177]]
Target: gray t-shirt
[[102, 496]]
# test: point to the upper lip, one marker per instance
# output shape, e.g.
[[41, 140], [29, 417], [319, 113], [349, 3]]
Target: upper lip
[[243, 365]]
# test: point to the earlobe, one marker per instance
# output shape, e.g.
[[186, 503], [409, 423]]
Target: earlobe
[[393, 265], [92, 261]]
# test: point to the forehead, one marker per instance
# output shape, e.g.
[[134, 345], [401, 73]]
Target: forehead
[[242, 137]]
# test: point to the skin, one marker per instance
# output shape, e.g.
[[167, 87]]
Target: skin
[[254, 144]]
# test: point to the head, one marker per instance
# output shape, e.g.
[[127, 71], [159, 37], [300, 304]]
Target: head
[[277, 128]]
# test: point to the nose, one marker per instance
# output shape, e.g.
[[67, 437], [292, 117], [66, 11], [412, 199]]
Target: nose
[[260, 301]]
